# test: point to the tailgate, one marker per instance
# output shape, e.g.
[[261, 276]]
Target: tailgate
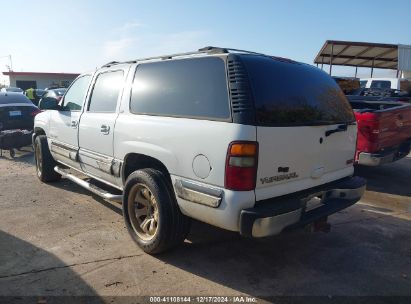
[[382, 125], [394, 126], [306, 129], [294, 158]]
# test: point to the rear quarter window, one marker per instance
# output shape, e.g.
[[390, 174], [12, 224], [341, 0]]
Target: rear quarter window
[[288, 93], [192, 88]]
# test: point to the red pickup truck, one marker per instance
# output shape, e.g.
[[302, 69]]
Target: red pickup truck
[[384, 131]]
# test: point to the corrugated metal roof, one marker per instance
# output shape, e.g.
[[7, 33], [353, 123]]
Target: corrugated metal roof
[[404, 57], [361, 54]]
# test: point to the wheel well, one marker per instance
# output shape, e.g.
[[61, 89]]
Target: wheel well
[[37, 132], [135, 161]]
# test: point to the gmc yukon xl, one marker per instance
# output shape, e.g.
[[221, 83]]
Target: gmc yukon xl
[[240, 140]]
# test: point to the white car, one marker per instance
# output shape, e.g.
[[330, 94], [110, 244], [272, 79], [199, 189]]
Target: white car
[[242, 141], [401, 84]]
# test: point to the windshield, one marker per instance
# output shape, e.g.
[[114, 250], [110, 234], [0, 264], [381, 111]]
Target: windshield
[[291, 94]]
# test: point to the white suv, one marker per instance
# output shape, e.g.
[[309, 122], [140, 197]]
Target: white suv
[[243, 141]]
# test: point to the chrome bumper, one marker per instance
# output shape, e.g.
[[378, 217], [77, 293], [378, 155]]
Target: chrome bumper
[[384, 157]]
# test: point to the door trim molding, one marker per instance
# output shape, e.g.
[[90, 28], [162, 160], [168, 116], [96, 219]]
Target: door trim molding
[[68, 151]]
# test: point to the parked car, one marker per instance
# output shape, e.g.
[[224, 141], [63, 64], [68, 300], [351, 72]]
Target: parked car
[[12, 90], [51, 97], [16, 112], [242, 141], [364, 94], [384, 131], [400, 84]]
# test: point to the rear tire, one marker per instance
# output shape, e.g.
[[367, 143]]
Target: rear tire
[[45, 163], [151, 212]]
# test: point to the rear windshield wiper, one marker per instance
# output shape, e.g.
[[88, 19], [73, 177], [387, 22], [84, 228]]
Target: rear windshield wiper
[[340, 128]]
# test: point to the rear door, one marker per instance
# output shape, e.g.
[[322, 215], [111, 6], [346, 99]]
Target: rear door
[[306, 129], [96, 129], [63, 134]]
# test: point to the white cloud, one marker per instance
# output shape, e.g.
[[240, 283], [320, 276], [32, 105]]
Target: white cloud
[[114, 48], [134, 40]]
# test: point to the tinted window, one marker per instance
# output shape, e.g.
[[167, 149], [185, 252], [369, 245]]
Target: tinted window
[[105, 92], [288, 93], [187, 87], [73, 100], [381, 84]]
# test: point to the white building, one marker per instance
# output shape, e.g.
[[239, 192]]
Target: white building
[[26, 80]]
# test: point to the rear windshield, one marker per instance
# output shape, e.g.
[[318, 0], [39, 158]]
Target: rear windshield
[[295, 94], [12, 98], [11, 89], [381, 84]]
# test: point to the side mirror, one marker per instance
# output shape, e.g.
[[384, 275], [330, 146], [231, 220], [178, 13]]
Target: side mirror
[[49, 104]]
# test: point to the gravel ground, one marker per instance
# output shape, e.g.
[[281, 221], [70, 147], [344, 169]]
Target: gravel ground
[[58, 239]]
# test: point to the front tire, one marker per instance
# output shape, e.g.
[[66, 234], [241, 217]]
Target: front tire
[[151, 213], [45, 163]]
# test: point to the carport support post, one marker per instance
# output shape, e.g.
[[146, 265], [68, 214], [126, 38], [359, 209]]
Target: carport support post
[[331, 58], [372, 68], [322, 63], [356, 70]]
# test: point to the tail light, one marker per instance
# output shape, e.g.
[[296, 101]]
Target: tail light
[[368, 133], [241, 166], [370, 129], [35, 112]]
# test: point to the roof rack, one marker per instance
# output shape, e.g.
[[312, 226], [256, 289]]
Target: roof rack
[[110, 64], [215, 49], [204, 50]]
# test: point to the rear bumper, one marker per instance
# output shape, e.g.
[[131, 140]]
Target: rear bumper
[[273, 216], [383, 157]]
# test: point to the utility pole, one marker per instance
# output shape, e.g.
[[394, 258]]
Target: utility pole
[[11, 62]]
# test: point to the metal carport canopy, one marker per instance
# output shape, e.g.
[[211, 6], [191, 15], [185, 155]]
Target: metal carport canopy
[[358, 54]]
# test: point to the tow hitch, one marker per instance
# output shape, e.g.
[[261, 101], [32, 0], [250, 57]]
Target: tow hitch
[[319, 225]]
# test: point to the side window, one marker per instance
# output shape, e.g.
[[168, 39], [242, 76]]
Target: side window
[[73, 100], [194, 88], [106, 91]]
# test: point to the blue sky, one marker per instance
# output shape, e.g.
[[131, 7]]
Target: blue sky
[[75, 36]]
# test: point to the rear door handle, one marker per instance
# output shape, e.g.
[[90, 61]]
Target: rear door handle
[[105, 129], [340, 128], [74, 124]]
